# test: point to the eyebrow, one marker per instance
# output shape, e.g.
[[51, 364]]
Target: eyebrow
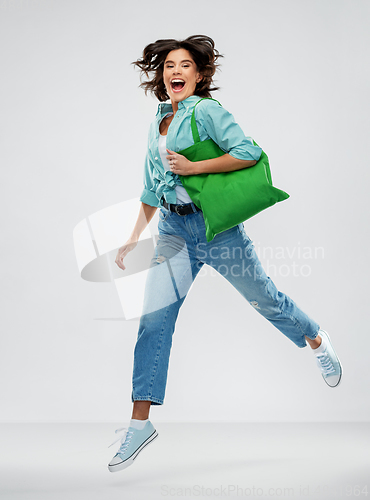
[[185, 60]]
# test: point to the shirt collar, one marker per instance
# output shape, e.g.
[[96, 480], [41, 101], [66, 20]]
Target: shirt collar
[[165, 107]]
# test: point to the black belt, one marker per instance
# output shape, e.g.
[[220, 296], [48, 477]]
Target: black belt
[[180, 209]]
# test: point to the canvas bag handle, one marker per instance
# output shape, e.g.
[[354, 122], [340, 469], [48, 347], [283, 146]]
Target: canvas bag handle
[[194, 127]]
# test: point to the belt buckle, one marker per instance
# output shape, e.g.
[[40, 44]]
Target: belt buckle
[[176, 210]]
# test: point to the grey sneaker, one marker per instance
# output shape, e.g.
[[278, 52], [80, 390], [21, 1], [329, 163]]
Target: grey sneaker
[[132, 443], [328, 362]]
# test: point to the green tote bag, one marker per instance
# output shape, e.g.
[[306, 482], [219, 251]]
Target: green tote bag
[[227, 198]]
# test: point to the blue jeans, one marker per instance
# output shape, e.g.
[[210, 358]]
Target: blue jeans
[[181, 251]]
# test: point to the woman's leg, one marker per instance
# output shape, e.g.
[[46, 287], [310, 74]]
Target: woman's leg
[[232, 254], [169, 279]]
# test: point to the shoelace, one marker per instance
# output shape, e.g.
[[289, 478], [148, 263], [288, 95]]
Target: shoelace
[[125, 439], [325, 363]]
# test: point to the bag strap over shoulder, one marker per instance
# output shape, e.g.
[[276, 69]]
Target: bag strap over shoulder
[[194, 127]]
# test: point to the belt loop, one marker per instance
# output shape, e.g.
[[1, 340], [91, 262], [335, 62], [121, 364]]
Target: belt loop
[[195, 208]]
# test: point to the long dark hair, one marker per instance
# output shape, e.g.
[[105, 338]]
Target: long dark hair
[[202, 49]]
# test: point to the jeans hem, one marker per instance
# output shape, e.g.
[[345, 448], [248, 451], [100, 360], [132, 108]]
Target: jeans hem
[[313, 338], [301, 346], [154, 401]]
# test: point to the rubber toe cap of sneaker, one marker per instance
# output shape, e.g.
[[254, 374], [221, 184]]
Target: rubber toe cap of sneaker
[[115, 460], [334, 380]]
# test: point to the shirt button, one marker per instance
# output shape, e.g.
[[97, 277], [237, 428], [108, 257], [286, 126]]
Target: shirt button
[[156, 158]]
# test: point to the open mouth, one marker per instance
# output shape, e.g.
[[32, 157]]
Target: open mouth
[[177, 85]]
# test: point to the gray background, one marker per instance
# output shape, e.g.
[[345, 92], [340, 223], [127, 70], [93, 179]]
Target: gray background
[[73, 135]]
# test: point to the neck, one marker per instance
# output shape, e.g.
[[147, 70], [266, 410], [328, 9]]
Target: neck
[[175, 107]]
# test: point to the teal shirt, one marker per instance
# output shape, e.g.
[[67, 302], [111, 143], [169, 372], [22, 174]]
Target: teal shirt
[[213, 121]]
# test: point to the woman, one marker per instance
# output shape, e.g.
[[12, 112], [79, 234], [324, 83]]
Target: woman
[[183, 72]]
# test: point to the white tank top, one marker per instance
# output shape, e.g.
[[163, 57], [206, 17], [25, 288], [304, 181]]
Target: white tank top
[[181, 193]]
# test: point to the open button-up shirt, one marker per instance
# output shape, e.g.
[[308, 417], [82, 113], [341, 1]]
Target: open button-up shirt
[[213, 121]]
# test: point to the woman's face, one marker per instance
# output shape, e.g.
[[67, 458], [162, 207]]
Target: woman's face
[[179, 65]]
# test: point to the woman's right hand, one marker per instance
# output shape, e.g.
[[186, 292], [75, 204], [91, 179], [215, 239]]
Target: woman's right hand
[[123, 251]]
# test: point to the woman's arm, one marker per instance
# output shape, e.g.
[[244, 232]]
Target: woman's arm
[[146, 214], [224, 163], [221, 127]]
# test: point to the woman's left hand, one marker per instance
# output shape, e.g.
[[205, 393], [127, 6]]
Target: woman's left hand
[[179, 164]]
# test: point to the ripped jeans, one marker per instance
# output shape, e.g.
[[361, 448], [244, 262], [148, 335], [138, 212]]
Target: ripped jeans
[[181, 251]]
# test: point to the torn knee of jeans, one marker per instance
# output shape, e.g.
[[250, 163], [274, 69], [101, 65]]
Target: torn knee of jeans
[[254, 303], [160, 259]]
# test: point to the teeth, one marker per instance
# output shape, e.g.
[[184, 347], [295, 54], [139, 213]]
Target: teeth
[[177, 80]]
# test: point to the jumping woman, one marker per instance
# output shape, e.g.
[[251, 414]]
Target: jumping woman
[[182, 72]]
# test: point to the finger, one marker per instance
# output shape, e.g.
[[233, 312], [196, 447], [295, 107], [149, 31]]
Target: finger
[[120, 265], [173, 154]]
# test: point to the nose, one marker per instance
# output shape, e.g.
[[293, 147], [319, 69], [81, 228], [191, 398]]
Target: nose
[[176, 70]]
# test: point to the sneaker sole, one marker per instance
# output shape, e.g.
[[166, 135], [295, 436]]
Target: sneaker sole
[[129, 461], [340, 364]]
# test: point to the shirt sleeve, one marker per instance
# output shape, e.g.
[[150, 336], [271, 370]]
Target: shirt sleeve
[[148, 194], [221, 127]]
